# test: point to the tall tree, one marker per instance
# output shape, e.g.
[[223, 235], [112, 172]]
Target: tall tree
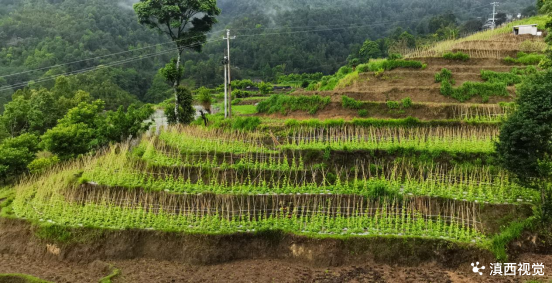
[[185, 21], [370, 49], [524, 146]]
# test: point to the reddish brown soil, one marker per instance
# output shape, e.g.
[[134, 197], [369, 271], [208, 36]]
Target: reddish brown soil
[[419, 85], [266, 270]]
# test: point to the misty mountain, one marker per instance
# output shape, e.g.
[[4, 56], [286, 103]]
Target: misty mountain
[[273, 37]]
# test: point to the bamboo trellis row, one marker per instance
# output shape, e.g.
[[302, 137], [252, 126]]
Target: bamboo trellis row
[[283, 206], [481, 112], [376, 134]]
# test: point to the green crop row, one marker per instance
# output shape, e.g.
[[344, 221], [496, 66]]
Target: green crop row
[[154, 157], [415, 143], [117, 170], [350, 103], [367, 122], [285, 103], [495, 193], [495, 87], [434, 140], [456, 56], [389, 64], [192, 141], [508, 78], [525, 58], [384, 222]]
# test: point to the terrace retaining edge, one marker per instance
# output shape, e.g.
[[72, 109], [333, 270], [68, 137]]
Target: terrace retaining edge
[[86, 245]]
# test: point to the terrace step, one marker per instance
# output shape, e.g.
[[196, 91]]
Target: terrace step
[[483, 216], [421, 94]]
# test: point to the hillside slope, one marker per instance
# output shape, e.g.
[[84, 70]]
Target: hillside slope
[[494, 63], [273, 37]]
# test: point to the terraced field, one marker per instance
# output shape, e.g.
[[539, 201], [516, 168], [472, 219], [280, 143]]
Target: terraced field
[[481, 97], [209, 181], [355, 188]]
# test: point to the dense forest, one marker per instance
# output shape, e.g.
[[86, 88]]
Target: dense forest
[[41, 39]]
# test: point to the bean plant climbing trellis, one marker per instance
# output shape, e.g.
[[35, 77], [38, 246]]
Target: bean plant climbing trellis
[[192, 179]]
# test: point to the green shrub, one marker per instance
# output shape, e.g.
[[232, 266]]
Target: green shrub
[[379, 72], [348, 80], [312, 87], [40, 165], [291, 122], [286, 103], [350, 103], [239, 94], [506, 78], [265, 88], [363, 68], [309, 77], [242, 84], [245, 123], [236, 102], [16, 153], [385, 64], [395, 56], [406, 102], [509, 60], [485, 90], [203, 95], [525, 58], [344, 70], [363, 113], [456, 56], [524, 71], [329, 84], [496, 85], [444, 75], [446, 89], [392, 104], [500, 241]]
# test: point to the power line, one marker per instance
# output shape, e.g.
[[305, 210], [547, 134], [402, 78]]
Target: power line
[[155, 54], [80, 71], [22, 84], [124, 52], [99, 57], [340, 27]]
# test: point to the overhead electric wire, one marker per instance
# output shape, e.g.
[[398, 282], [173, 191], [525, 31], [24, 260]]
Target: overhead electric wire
[[98, 57], [163, 52], [80, 71], [168, 42]]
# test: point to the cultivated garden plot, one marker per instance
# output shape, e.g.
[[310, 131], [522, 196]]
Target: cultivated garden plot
[[208, 181]]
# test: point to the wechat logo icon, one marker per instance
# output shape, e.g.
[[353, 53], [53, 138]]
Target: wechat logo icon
[[477, 269]]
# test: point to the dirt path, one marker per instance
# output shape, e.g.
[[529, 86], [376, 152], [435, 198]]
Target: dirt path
[[264, 270]]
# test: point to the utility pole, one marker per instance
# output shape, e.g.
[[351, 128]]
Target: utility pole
[[225, 64], [228, 38], [494, 4]]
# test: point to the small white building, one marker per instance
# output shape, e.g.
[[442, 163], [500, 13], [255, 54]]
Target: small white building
[[526, 29]]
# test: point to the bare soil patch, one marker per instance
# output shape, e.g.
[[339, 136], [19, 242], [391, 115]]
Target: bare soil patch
[[263, 270]]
